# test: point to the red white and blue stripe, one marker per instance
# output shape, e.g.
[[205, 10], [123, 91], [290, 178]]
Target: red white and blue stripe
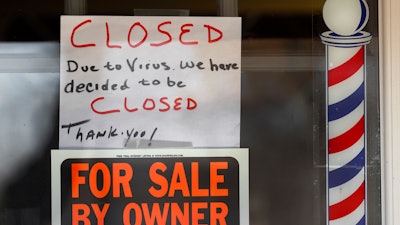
[[346, 146], [346, 114]]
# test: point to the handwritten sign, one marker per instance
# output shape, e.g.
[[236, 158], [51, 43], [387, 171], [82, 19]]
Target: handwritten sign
[[152, 78], [164, 186]]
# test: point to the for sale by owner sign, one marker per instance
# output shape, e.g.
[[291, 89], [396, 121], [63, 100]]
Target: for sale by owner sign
[[152, 186]]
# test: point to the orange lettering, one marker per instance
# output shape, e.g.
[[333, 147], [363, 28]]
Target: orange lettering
[[83, 217], [196, 215], [100, 214], [100, 167], [178, 181], [122, 180], [216, 179], [218, 212], [76, 180], [196, 191], [155, 214], [127, 214], [158, 179], [178, 215]]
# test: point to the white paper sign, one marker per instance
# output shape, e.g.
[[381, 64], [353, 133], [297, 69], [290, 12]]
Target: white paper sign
[[124, 79]]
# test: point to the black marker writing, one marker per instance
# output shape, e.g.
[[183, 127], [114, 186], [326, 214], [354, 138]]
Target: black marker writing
[[82, 133]]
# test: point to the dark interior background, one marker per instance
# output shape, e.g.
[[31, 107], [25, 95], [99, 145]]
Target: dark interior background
[[283, 103]]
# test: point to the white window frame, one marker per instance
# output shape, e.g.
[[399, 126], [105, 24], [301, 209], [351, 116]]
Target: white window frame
[[389, 35]]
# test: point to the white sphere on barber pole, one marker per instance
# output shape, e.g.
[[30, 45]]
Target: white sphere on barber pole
[[345, 17]]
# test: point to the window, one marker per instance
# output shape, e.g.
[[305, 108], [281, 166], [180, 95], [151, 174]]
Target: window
[[282, 113]]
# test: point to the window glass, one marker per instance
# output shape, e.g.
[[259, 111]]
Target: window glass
[[282, 113], [24, 20], [124, 7]]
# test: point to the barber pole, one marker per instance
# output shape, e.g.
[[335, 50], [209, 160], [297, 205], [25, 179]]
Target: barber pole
[[346, 110]]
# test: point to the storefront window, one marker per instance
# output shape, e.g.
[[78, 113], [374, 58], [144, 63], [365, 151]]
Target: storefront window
[[283, 103]]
